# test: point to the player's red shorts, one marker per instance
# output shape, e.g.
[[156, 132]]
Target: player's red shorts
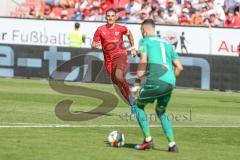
[[118, 61]]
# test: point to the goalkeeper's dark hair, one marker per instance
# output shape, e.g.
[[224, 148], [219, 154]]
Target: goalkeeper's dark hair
[[148, 22], [112, 10]]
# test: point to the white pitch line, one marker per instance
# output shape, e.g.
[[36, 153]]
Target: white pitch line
[[102, 126], [22, 123]]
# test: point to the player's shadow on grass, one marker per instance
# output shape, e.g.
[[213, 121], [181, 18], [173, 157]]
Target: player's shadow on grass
[[131, 146]]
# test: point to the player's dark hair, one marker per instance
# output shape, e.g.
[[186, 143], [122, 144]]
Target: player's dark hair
[[149, 22], [77, 25], [112, 10]]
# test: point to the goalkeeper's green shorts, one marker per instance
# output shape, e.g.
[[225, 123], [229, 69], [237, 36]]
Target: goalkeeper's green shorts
[[161, 92]]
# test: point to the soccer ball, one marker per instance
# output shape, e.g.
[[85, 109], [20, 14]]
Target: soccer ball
[[116, 139]]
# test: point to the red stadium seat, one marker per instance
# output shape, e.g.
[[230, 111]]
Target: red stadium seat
[[57, 11], [121, 14], [25, 7], [122, 3], [15, 14], [33, 2], [70, 12]]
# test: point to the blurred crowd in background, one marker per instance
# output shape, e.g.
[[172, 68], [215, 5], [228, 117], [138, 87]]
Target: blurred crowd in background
[[214, 13]]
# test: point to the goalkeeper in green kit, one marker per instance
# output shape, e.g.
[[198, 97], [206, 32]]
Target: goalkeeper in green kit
[[160, 65]]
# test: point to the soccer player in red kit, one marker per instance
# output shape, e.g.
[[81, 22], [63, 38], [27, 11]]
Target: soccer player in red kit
[[110, 37]]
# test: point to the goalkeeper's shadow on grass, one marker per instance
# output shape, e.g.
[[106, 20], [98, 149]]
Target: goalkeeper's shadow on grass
[[132, 145], [126, 145]]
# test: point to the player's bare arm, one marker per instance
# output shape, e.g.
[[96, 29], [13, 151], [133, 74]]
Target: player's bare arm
[[131, 41], [142, 66], [96, 43], [178, 68]]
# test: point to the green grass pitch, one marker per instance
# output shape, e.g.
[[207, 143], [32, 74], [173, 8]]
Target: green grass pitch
[[206, 125]]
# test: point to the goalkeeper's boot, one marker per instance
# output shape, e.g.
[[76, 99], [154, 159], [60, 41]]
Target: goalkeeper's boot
[[145, 145], [173, 148]]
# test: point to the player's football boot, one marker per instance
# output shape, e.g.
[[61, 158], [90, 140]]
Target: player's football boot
[[145, 145], [173, 148]]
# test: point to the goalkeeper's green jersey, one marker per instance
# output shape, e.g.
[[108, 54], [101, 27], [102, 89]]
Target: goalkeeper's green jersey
[[160, 57]]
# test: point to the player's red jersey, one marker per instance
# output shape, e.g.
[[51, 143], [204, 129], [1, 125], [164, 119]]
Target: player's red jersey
[[112, 42]]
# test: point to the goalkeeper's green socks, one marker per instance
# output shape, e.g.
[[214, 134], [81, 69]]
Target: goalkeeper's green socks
[[143, 122], [166, 125]]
